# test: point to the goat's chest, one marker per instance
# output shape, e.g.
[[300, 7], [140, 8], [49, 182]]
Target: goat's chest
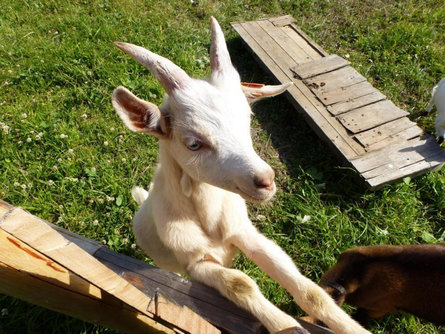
[[214, 211], [209, 217]]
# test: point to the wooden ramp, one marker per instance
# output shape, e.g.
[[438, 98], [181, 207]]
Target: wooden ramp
[[65, 272], [361, 124]]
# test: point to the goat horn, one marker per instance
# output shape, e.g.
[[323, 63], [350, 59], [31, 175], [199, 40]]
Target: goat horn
[[219, 55], [170, 75]]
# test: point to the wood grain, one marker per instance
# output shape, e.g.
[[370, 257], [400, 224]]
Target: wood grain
[[339, 79], [354, 103], [370, 116], [33, 246], [339, 104], [319, 66], [343, 94], [278, 62]]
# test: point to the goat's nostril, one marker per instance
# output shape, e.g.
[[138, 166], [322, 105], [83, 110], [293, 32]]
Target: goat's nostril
[[265, 180]]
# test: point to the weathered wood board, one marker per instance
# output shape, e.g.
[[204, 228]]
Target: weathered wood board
[[61, 266], [54, 268], [340, 105]]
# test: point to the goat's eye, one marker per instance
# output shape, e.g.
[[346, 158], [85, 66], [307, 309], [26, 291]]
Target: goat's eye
[[194, 145]]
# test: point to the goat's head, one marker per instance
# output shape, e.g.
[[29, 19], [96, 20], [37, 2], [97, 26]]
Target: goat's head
[[203, 124]]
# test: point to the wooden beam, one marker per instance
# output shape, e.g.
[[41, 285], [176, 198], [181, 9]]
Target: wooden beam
[[31, 276], [198, 297], [37, 252], [65, 272]]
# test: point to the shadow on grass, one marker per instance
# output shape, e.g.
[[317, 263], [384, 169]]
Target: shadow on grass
[[300, 149]]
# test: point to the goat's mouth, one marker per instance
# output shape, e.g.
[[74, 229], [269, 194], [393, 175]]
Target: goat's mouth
[[256, 196]]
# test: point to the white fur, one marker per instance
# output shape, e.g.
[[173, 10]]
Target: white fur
[[139, 195], [195, 217], [438, 100]]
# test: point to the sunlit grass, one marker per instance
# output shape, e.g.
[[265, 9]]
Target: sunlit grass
[[66, 157]]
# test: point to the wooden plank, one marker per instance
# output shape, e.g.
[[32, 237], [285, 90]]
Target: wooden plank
[[4, 208], [293, 49], [282, 20], [339, 104], [338, 79], [344, 93], [361, 101], [401, 136], [406, 157], [44, 239], [309, 40], [30, 275], [327, 127], [379, 133], [88, 245], [434, 162], [319, 66], [184, 319], [108, 312], [281, 61], [410, 158], [200, 298], [20, 256], [400, 154], [51, 279], [301, 97], [370, 116], [308, 48]]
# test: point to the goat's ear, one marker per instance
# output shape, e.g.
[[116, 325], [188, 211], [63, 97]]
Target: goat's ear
[[138, 115], [255, 92]]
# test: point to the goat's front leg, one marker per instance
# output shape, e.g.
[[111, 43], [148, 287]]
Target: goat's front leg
[[308, 295], [243, 291]]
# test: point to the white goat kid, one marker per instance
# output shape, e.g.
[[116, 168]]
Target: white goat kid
[[438, 100], [194, 218]]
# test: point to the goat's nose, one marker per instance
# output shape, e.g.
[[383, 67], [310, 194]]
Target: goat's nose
[[264, 179]]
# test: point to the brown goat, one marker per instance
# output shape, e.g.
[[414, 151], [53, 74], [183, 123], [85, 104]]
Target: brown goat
[[381, 279]]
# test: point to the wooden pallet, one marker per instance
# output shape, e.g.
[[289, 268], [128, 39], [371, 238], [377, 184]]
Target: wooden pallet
[[57, 269], [368, 131]]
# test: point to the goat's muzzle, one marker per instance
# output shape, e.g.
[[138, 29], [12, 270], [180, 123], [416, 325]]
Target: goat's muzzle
[[265, 180]]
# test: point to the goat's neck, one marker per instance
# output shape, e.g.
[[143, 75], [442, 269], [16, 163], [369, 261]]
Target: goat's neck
[[204, 200], [169, 173]]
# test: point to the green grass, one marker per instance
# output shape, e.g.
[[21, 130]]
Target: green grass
[[67, 158]]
